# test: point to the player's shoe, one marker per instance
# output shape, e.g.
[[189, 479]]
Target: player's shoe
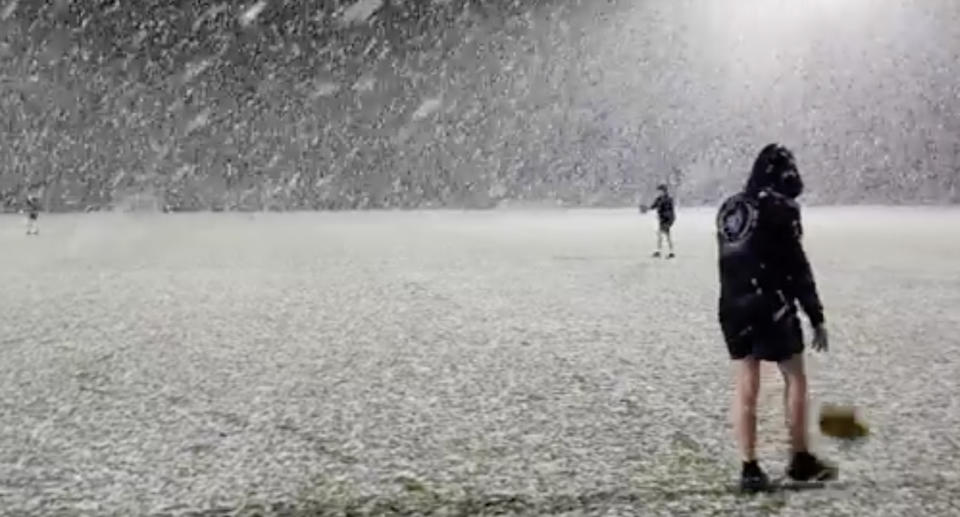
[[807, 467], [656, 254], [671, 255], [753, 479]]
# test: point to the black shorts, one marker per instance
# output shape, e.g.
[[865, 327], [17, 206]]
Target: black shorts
[[766, 341], [666, 224], [32, 216]]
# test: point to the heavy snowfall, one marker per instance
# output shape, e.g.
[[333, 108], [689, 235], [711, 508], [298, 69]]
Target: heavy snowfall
[[384, 257], [289, 104]]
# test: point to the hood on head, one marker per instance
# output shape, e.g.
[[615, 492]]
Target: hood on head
[[776, 169]]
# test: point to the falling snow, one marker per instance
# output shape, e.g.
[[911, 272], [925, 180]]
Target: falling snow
[[365, 84], [325, 89], [428, 107], [195, 69], [9, 9], [361, 11], [250, 15], [571, 103], [202, 119], [453, 363]]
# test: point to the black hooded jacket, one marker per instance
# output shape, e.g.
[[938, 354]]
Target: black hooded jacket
[[664, 207], [33, 205], [764, 270]]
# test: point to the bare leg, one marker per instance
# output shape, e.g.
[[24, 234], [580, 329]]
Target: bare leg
[[659, 240], [669, 241], [786, 404], [745, 406], [795, 401]]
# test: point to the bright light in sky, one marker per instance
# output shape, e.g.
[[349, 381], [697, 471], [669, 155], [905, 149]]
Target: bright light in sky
[[854, 85]]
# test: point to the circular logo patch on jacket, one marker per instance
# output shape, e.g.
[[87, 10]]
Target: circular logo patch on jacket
[[737, 220]]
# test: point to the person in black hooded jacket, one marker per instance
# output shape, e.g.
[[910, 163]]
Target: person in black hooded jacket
[[764, 275]]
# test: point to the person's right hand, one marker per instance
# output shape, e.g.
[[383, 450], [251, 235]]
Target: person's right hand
[[820, 342]]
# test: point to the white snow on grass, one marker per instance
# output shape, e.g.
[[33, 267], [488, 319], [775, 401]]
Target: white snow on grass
[[450, 361]]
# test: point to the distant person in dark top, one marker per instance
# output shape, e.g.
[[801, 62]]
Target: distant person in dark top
[[666, 215], [764, 274], [33, 214]]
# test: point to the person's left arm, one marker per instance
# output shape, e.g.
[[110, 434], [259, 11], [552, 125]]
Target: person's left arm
[[802, 282]]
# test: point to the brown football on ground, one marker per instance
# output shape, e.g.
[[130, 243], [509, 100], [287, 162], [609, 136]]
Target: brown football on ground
[[841, 422]]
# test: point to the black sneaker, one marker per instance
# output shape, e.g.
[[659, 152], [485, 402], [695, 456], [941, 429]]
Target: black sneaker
[[671, 255], [656, 254], [806, 467], [753, 479]]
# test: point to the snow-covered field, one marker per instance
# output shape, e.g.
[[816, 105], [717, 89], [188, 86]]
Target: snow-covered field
[[456, 363]]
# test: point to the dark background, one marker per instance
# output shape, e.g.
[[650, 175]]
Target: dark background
[[464, 103]]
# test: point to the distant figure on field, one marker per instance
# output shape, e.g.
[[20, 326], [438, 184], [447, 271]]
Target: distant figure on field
[[666, 216], [764, 274], [33, 213]]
